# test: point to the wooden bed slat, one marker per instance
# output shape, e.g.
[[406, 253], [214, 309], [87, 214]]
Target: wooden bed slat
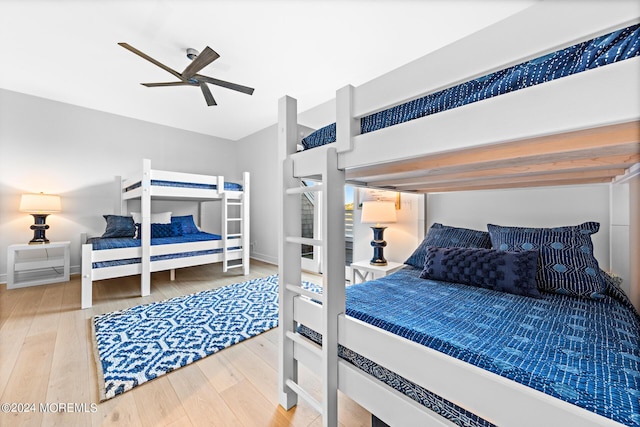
[[526, 165], [585, 154]]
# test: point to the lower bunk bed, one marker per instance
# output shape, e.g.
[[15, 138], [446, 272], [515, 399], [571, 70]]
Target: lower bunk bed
[[111, 257], [582, 351]]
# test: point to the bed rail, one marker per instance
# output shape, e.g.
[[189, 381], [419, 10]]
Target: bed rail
[[488, 50]]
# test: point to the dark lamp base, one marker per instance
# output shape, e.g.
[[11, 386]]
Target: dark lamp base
[[39, 227], [378, 244]]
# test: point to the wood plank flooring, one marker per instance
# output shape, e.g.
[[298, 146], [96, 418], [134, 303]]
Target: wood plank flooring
[[46, 357]]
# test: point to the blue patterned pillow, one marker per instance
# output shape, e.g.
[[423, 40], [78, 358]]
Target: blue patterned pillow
[[512, 272], [160, 230], [444, 236], [566, 264], [185, 223], [119, 226]]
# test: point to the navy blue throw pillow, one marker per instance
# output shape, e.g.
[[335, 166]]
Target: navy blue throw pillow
[[445, 236], [185, 223], [161, 230], [119, 226], [512, 272], [566, 264]]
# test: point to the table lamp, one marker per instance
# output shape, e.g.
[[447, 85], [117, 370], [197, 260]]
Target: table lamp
[[377, 212], [40, 206]]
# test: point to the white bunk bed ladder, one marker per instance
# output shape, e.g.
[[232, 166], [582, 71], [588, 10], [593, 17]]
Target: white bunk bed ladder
[[239, 238], [293, 344]]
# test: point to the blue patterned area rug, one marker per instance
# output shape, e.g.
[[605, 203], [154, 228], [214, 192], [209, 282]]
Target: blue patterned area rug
[[139, 344]]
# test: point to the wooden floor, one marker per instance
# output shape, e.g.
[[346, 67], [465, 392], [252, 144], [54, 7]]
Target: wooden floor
[[46, 357]]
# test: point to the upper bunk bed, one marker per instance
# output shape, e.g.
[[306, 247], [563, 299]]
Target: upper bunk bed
[[170, 185], [578, 129], [569, 123], [144, 242]]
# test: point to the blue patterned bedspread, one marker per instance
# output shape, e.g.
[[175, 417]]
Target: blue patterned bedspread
[[608, 49], [231, 186], [583, 351], [115, 243]]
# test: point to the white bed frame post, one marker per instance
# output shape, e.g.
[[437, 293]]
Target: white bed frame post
[[224, 217], [145, 228], [289, 260], [246, 222], [86, 297], [347, 126], [333, 281], [290, 274]]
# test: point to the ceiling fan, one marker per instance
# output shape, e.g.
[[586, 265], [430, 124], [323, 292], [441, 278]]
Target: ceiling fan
[[190, 76]]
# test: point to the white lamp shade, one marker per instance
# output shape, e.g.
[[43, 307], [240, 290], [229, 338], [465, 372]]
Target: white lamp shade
[[40, 203], [376, 212]]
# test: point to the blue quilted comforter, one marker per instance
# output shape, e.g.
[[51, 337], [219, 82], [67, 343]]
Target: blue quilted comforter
[[608, 49], [583, 351]]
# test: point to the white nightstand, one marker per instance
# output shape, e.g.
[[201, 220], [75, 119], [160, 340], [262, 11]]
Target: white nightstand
[[363, 269], [39, 264]]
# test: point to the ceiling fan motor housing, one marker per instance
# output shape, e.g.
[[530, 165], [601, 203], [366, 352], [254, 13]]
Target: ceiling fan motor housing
[[192, 53]]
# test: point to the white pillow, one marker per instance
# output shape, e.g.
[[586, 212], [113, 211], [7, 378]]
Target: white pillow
[[156, 218]]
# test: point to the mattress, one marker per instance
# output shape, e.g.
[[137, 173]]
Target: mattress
[[583, 351], [229, 186], [608, 49], [127, 242]]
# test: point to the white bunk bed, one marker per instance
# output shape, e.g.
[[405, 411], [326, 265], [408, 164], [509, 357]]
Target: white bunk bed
[[151, 184], [564, 137]]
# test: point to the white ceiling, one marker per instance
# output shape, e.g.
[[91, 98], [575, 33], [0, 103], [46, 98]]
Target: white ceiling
[[67, 51]]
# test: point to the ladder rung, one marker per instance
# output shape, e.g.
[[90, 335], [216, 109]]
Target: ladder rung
[[234, 219], [234, 203], [310, 189], [306, 396], [305, 342], [231, 251], [307, 293], [304, 241], [233, 236], [234, 266]]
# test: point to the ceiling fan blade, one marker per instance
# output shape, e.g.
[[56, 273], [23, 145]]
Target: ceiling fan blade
[[206, 57], [207, 94], [167, 84], [150, 59], [222, 83]]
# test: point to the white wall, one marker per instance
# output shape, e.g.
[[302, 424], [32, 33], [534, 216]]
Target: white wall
[[258, 153], [77, 153], [634, 240], [620, 237], [537, 207]]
